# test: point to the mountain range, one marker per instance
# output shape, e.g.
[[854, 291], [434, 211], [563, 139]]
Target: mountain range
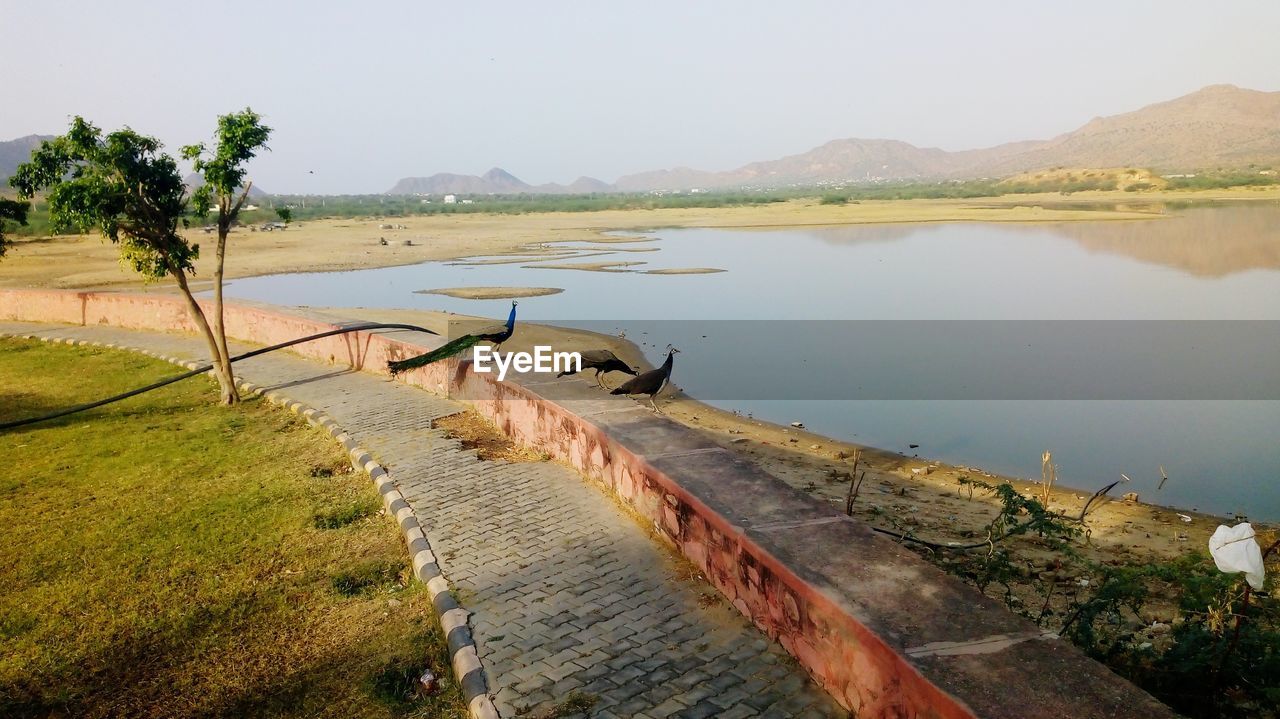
[[1217, 126], [16, 152], [496, 181]]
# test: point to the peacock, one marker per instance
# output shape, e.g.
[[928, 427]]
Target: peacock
[[496, 334], [601, 361], [650, 382]]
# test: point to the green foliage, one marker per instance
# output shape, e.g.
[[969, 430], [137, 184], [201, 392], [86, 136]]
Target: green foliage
[[14, 210], [1018, 516], [307, 207], [1222, 180], [121, 184], [834, 199], [238, 139], [1218, 658], [285, 214], [1099, 622], [1065, 186]]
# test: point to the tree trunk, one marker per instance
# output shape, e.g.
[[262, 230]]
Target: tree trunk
[[219, 328], [221, 368]]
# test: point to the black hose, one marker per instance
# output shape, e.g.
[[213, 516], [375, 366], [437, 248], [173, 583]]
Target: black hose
[[201, 370], [902, 536]]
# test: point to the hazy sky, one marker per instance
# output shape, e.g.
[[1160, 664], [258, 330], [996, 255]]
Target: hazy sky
[[364, 93]]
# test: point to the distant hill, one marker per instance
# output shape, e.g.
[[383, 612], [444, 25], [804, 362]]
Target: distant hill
[[16, 152], [839, 160], [496, 182], [582, 186], [1218, 126], [192, 181]]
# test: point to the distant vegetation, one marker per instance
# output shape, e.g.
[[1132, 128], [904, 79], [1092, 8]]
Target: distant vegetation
[[38, 223], [1057, 181], [1225, 178], [310, 208]]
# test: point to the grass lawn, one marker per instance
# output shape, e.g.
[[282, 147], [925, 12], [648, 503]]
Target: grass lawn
[[165, 556]]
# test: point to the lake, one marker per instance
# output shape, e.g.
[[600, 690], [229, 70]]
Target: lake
[[1121, 346]]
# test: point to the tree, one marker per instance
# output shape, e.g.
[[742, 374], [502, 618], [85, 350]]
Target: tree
[[239, 137], [285, 214], [11, 210], [126, 187]]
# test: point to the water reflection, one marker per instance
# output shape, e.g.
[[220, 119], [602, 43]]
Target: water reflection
[[1218, 263], [1204, 241]]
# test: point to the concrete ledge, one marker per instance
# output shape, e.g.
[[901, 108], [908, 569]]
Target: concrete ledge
[[887, 633]]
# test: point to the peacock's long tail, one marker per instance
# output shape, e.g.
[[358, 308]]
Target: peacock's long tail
[[452, 348]]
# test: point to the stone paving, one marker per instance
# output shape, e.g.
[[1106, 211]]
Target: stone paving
[[567, 592]]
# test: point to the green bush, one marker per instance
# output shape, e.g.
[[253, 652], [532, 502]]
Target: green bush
[[1217, 660]]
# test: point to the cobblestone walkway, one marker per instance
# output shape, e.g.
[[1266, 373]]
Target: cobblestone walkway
[[567, 592]]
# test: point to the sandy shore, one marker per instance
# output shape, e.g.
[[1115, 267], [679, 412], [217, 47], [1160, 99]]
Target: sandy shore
[[685, 271], [589, 266], [344, 244], [491, 293]]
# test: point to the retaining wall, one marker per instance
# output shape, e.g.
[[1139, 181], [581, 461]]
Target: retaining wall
[[888, 634]]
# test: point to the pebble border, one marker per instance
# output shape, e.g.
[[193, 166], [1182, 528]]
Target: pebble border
[[453, 618]]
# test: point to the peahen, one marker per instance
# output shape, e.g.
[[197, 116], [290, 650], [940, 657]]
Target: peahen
[[600, 361], [496, 334], [650, 382]]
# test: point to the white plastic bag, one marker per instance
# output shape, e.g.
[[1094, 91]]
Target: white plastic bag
[[1235, 549]]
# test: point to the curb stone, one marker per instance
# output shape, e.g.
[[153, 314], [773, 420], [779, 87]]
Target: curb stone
[[453, 618]]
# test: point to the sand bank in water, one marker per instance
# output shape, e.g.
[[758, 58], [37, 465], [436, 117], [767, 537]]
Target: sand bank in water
[[588, 266], [685, 271], [491, 293]]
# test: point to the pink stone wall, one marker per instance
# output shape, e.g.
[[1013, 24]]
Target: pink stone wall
[[850, 661], [42, 306]]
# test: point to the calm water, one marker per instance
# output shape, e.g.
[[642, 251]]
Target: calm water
[[986, 387]]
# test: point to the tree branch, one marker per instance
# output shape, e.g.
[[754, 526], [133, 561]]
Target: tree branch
[[243, 196]]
